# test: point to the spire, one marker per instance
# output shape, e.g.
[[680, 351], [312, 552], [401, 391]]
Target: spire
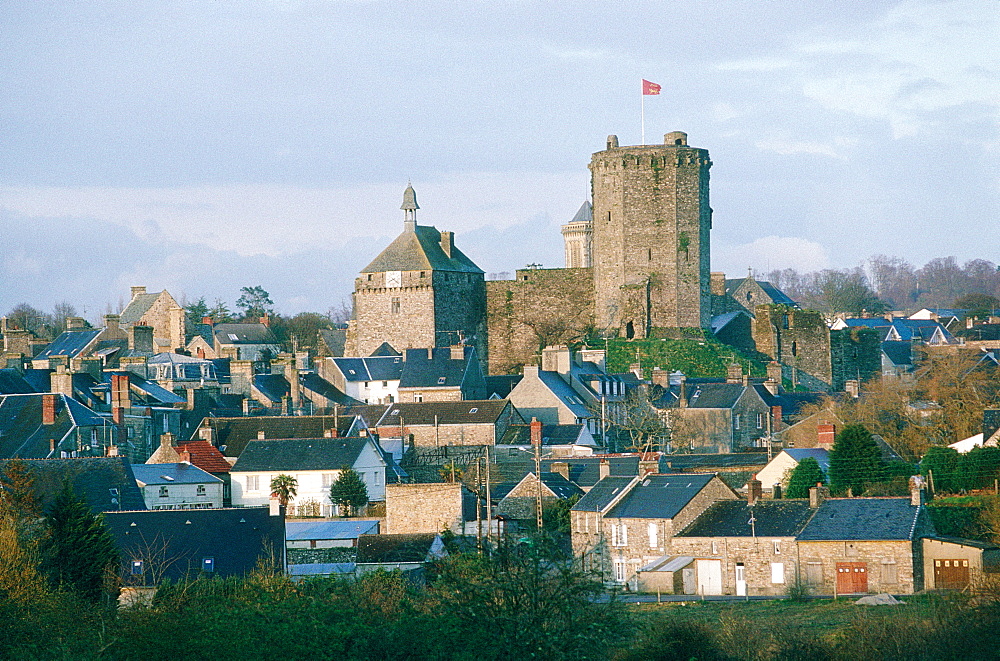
[[409, 208]]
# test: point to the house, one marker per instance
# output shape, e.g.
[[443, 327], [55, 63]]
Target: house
[[442, 424], [624, 523], [231, 434], [709, 416], [199, 453], [159, 545], [748, 293], [736, 547], [240, 341], [79, 341], [953, 563], [518, 501], [444, 374], [372, 380], [428, 508], [776, 472], [557, 440], [52, 425], [160, 312], [409, 554], [989, 437], [315, 463], [861, 545], [177, 486], [106, 484], [916, 331], [328, 534]]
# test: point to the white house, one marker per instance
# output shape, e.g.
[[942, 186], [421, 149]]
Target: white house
[[783, 463], [315, 463], [179, 486], [372, 380]]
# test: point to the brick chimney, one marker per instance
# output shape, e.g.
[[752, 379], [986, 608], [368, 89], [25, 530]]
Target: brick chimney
[[648, 463], [754, 490], [120, 387], [457, 352], [660, 377], [734, 373], [536, 432], [447, 242], [825, 435], [49, 408], [266, 320]]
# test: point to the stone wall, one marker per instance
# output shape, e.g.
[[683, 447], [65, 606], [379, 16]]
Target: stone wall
[[757, 554], [889, 565], [799, 340], [651, 236], [417, 508], [402, 316], [539, 307], [855, 353]]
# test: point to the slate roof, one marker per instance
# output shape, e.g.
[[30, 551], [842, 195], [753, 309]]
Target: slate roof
[[307, 530], [234, 538], [151, 391], [236, 432], [586, 471], [414, 547], [70, 343], [660, 496], [731, 518], [862, 519], [720, 321], [551, 434], [703, 396], [105, 483], [562, 390], [205, 456], [482, 411], [334, 339], [250, 333], [501, 385], [602, 493], [585, 214], [560, 486], [179, 473], [22, 433], [138, 306], [317, 384], [420, 250], [273, 386], [441, 371], [12, 382], [790, 402], [300, 454], [385, 349], [899, 353], [377, 368], [673, 463], [821, 456]]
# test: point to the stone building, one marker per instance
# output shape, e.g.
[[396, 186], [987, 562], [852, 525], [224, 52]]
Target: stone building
[[578, 237], [651, 236], [421, 291], [162, 312], [428, 508]]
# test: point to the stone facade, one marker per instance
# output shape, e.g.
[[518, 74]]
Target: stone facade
[[423, 508], [537, 308], [651, 236], [799, 340], [890, 566], [578, 238], [855, 353], [768, 563]]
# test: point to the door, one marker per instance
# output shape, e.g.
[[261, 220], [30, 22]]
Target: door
[[709, 577], [741, 580], [852, 577], [687, 578], [951, 574]]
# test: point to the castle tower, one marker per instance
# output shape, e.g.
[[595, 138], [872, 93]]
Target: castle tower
[[651, 222], [420, 292], [577, 235]]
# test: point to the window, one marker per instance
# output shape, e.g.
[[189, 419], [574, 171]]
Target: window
[[620, 570], [777, 547], [201, 490], [889, 573], [441, 380], [760, 421], [385, 384], [164, 492], [814, 573], [619, 534], [715, 548], [253, 482], [395, 305], [329, 479], [208, 565], [418, 396], [654, 535], [736, 421], [777, 573]]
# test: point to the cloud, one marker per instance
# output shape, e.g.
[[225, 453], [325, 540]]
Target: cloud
[[769, 253]]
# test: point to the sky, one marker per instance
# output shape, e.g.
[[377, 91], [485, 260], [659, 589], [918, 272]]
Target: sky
[[204, 146]]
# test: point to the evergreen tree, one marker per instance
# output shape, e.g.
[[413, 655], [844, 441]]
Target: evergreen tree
[[942, 462], [349, 490], [855, 461], [805, 476], [80, 553], [255, 302]]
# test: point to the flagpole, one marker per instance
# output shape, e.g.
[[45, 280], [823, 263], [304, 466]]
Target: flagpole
[[642, 111]]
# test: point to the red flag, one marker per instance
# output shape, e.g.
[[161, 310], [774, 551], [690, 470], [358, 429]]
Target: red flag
[[649, 88]]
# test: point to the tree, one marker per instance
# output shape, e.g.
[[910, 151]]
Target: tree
[[849, 292], [303, 329], [804, 477], [25, 317], [855, 461], [220, 312], [80, 553], [255, 302], [979, 306], [942, 463], [60, 313], [197, 311], [349, 491], [284, 487], [646, 427]]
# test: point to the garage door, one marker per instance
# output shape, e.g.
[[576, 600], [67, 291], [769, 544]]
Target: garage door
[[951, 574], [852, 577]]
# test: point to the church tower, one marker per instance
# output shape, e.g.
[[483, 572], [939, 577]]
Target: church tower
[[651, 222], [420, 292]]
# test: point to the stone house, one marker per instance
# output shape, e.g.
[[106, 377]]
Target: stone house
[[159, 311], [232, 434], [715, 417], [244, 341], [520, 500], [777, 470], [428, 508], [315, 463], [443, 424], [447, 374], [53, 425], [622, 524], [106, 484], [177, 486], [734, 294]]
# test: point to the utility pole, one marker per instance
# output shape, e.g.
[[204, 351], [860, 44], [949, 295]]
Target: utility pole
[[489, 501]]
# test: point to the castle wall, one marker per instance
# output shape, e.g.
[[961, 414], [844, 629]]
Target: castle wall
[[651, 237], [855, 353], [540, 307], [402, 316], [799, 340], [460, 311]]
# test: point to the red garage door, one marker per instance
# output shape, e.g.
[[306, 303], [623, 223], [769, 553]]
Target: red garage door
[[852, 577]]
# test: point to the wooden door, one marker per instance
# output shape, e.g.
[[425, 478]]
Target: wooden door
[[951, 574], [709, 576], [852, 577]]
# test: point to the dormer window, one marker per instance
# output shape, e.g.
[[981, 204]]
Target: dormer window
[[441, 380]]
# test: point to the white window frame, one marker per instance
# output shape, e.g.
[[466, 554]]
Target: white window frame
[[778, 573], [736, 421], [619, 535], [253, 483], [653, 531], [620, 569], [777, 546]]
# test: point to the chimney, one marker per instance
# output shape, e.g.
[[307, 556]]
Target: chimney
[[207, 434], [178, 327], [717, 280], [111, 322], [330, 433], [140, 339], [648, 464], [49, 408], [560, 467], [605, 469], [556, 359], [825, 435], [536, 432], [184, 455], [683, 397], [246, 406], [120, 391], [266, 320], [138, 290], [660, 377], [62, 381], [754, 490], [916, 495], [166, 440], [447, 242], [734, 373], [776, 491], [260, 435], [118, 415], [852, 388], [207, 321], [75, 323], [112, 451], [774, 372], [457, 352], [295, 390], [817, 495]]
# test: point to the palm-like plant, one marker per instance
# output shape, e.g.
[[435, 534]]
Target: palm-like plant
[[283, 487]]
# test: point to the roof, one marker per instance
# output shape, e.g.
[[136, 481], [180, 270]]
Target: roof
[[675, 463], [317, 384], [334, 339], [205, 456], [602, 494], [420, 250], [137, 307], [105, 483], [821, 456], [898, 352], [274, 387], [300, 454], [373, 368], [417, 547], [440, 371], [585, 214], [720, 321], [731, 518], [251, 333], [150, 392], [974, 543], [862, 519], [70, 343], [668, 563], [22, 433], [385, 349], [560, 486], [473, 411], [564, 393], [235, 433], [235, 540], [12, 382], [179, 473], [307, 530], [660, 496], [501, 385], [551, 434], [703, 396]]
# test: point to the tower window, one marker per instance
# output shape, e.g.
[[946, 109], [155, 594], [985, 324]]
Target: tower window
[[395, 305]]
